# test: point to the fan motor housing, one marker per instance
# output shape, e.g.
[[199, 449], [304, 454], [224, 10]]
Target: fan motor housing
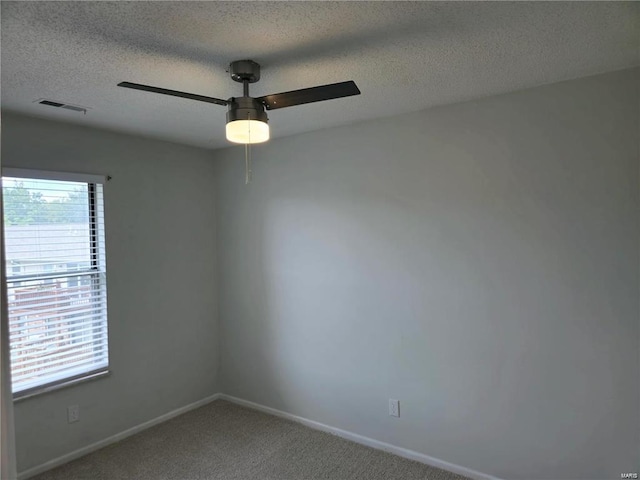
[[246, 108]]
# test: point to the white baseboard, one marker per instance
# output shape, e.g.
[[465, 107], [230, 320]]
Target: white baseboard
[[369, 442], [114, 438]]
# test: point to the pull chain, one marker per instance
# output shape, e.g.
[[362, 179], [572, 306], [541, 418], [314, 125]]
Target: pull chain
[[247, 150], [247, 163]]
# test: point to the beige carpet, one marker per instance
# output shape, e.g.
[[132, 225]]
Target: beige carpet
[[225, 441]]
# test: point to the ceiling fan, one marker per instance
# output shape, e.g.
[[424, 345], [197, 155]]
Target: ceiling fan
[[247, 120]]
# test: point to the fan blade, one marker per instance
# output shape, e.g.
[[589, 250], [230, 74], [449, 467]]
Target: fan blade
[[175, 93], [310, 95]]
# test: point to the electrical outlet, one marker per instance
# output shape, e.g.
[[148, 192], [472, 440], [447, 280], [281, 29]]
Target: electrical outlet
[[394, 407], [73, 413]]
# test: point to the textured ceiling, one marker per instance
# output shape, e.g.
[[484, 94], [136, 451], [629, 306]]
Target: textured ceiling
[[404, 56]]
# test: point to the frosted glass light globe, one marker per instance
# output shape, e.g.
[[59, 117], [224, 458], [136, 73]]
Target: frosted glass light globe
[[247, 131]]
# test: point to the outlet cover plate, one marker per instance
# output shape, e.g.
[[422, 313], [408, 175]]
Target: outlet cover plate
[[73, 413], [394, 407]]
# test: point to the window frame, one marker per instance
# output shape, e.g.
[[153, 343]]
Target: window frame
[[96, 272]]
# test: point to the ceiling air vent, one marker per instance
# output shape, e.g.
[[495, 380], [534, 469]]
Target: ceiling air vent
[[67, 106]]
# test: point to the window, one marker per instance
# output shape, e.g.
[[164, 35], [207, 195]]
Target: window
[[56, 278]]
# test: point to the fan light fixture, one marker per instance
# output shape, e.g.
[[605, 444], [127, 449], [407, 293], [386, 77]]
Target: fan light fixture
[[247, 121], [247, 131]]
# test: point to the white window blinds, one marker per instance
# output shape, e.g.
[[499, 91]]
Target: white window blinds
[[56, 280]]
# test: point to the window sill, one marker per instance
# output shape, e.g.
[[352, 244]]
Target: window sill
[[37, 391]]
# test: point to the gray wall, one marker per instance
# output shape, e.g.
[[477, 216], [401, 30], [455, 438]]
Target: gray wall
[[477, 261], [160, 234]]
